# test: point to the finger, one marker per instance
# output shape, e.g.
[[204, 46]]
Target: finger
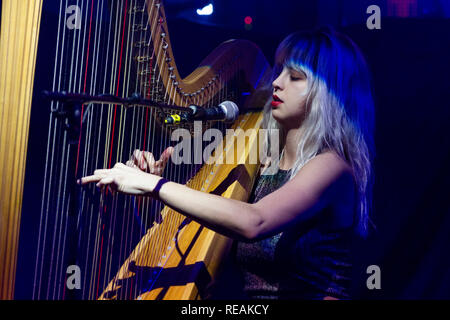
[[143, 165], [139, 160], [89, 179], [120, 165], [100, 172], [135, 154], [130, 163], [165, 156], [136, 157], [149, 159], [162, 162], [148, 156], [105, 181], [158, 168]]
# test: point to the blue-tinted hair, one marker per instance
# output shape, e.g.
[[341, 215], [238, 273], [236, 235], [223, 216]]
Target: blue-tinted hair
[[339, 109]]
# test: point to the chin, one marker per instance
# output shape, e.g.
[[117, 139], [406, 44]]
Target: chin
[[275, 113], [287, 121], [278, 116]]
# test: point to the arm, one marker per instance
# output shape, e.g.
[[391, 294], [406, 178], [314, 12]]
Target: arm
[[233, 218], [316, 185], [321, 182]]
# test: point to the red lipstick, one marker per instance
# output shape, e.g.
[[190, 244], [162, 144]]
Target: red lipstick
[[276, 101]]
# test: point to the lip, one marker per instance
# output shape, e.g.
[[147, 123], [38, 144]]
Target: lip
[[276, 101], [276, 98]]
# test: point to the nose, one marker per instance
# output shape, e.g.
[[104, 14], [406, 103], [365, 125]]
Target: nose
[[277, 83]]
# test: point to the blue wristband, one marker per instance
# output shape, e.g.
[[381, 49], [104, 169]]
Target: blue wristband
[[158, 186]]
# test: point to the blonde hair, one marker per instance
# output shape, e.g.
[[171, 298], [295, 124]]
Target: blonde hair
[[339, 107]]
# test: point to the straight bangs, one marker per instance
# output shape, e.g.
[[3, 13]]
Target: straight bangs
[[298, 51]]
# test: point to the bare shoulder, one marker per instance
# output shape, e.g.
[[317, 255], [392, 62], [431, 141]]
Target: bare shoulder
[[329, 176], [328, 164], [324, 181], [332, 177]]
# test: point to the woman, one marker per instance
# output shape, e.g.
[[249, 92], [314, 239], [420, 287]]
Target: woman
[[295, 233]]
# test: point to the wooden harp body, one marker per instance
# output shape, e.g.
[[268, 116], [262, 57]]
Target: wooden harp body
[[60, 241]]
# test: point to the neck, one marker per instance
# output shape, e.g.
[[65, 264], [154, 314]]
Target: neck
[[291, 139]]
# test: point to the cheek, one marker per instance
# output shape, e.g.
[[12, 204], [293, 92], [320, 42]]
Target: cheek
[[303, 91], [302, 96]]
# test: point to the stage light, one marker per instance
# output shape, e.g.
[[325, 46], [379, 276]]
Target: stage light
[[248, 23], [206, 10]]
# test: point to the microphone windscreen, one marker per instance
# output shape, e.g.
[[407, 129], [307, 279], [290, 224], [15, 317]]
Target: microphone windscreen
[[230, 109]]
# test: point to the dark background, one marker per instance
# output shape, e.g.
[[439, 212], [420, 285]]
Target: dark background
[[409, 59]]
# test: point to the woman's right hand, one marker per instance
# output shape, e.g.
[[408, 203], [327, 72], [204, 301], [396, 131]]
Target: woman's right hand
[[145, 161]]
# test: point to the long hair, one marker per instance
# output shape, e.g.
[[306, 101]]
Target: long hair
[[339, 107]]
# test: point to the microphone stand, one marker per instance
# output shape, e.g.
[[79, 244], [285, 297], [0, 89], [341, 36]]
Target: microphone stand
[[70, 111], [133, 100]]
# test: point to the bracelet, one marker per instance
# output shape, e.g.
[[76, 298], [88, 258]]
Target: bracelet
[[158, 186]]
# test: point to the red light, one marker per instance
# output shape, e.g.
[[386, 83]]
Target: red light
[[248, 20]]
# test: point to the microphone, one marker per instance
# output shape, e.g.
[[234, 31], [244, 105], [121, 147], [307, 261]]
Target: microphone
[[227, 111]]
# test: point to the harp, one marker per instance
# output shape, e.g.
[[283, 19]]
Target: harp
[[111, 76]]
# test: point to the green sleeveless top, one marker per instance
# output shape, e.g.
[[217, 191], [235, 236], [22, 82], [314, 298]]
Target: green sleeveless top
[[306, 261]]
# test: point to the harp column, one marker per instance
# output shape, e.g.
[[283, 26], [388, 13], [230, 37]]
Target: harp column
[[19, 33]]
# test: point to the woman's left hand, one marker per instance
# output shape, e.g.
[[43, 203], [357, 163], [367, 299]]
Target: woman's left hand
[[124, 179]]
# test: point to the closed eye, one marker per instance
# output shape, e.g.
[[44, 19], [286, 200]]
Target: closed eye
[[296, 75]]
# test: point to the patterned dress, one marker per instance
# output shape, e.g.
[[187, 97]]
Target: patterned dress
[[308, 260]]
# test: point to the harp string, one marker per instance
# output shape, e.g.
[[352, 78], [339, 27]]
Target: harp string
[[75, 57], [104, 52], [101, 214], [124, 114], [120, 30], [140, 143], [91, 127], [155, 72], [130, 199], [46, 185], [96, 133], [86, 112], [59, 202], [98, 240], [97, 164]]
